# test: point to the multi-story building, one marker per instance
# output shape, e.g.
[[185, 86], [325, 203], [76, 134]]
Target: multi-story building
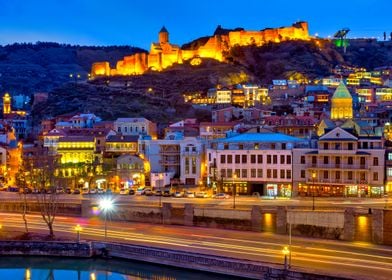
[[121, 144], [180, 156], [135, 126], [252, 162], [342, 164], [297, 126], [214, 130]]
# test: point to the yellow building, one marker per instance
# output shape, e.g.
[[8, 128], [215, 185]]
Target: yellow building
[[6, 104], [342, 103]]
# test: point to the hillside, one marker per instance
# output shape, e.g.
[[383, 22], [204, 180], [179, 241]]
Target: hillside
[[29, 68]]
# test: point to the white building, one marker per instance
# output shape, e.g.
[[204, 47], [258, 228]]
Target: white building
[[342, 165], [252, 162], [135, 126]]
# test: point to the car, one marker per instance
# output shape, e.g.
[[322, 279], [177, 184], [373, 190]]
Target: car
[[100, 191], [189, 194], [26, 190], [201, 195], [36, 191], [221, 196], [166, 193], [93, 191], [85, 190], [140, 191], [148, 192], [158, 193], [131, 192], [59, 190], [68, 190], [124, 191], [13, 189], [178, 194], [76, 191]]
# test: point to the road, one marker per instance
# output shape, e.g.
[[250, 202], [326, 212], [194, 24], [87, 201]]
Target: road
[[356, 260], [240, 201]]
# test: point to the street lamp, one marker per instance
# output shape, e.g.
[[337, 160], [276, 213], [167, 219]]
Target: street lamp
[[233, 190], [78, 229], [160, 188], [285, 252], [106, 205], [313, 178]]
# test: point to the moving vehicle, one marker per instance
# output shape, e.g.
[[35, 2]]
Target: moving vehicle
[[221, 196], [201, 195]]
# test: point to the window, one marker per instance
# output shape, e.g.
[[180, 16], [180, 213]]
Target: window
[[350, 160], [389, 156], [281, 159], [119, 129], [325, 146], [302, 159], [268, 173], [238, 173], [252, 158], [259, 159], [282, 173], [229, 158], [288, 159], [240, 146], [326, 160], [288, 174], [275, 159], [375, 176], [362, 160], [273, 146], [259, 173], [337, 160], [268, 159], [314, 160], [337, 175], [389, 171], [256, 146], [303, 173], [283, 146], [362, 177], [350, 146], [125, 129], [244, 158], [375, 161], [244, 173], [237, 159], [275, 173], [350, 175], [225, 146], [325, 174], [253, 173], [229, 173], [223, 158], [223, 173], [337, 146], [209, 156]]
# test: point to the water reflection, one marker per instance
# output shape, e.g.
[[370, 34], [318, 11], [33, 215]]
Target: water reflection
[[44, 268]]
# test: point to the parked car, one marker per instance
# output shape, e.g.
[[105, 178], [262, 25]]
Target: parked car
[[36, 191], [124, 191], [13, 189], [93, 191], [68, 190], [59, 190], [140, 191], [221, 196], [100, 191], [76, 191], [85, 190], [148, 192], [131, 192], [166, 193], [178, 194], [26, 190], [158, 193], [189, 194], [201, 195]]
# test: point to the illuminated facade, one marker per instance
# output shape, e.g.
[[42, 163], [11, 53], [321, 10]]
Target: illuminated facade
[[342, 165], [6, 104], [342, 103], [163, 54]]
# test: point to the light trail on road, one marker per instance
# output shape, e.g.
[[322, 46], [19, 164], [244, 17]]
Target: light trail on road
[[326, 256]]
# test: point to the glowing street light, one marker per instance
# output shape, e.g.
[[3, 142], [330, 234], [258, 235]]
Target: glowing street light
[[285, 252], [106, 205], [78, 229], [313, 178], [234, 189]]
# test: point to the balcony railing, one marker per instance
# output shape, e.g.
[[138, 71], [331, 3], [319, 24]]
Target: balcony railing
[[338, 166]]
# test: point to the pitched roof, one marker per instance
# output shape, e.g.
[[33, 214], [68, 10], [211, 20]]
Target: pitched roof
[[261, 137], [341, 92], [122, 138], [163, 29]]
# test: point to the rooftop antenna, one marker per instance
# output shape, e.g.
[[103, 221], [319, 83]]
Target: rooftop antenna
[[341, 35]]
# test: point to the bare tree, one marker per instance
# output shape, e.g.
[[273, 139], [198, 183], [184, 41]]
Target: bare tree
[[42, 167]]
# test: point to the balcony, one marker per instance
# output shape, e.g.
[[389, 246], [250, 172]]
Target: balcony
[[362, 167], [342, 181], [169, 162]]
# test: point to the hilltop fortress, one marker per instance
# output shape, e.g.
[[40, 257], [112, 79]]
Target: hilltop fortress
[[164, 54]]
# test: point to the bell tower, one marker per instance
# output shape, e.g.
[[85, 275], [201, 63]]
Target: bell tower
[[6, 104], [163, 36]]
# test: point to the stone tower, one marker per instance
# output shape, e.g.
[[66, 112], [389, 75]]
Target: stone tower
[[163, 36], [6, 104], [342, 103]]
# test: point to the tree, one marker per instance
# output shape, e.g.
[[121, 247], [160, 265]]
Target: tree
[[39, 170]]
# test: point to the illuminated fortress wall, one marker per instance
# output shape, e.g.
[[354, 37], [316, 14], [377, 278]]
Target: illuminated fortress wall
[[164, 54]]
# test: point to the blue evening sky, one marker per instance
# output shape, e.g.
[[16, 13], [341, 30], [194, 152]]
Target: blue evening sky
[[137, 22]]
